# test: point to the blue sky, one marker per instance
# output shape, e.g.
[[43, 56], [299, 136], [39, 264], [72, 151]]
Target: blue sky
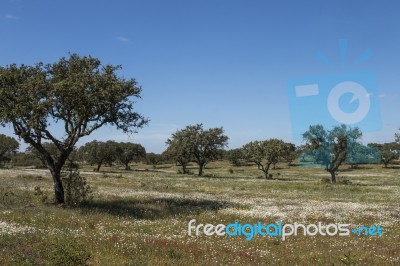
[[220, 63]]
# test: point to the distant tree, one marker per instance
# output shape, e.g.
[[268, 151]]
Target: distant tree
[[129, 152], [388, 151], [99, 153], [358, 153], [289, 153], [8, 147], [330, 148], [177, 152], [26, 159], [203, 146], [235, 156], [154, 159], [397, 137], [264, 153], [78, 93]]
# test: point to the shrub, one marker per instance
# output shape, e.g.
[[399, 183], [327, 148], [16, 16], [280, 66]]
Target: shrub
[[325, 180], [77, 191], [42, 197]]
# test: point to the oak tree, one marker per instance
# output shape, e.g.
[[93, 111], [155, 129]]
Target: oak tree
[[203, 146], [264, 153], [128, 152], [99, 153], [388, 152], [78, 94], [330, 148], [154, 159]]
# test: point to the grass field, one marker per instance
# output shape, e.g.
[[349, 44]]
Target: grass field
[[141, 217]]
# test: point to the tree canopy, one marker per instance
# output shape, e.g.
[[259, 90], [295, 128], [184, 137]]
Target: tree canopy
[[78, 93], [99, 153], [264, 153], [193, 142], [154, 159], [128, 152]]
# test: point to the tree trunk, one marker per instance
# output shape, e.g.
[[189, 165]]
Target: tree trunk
[[98, 166], [201, 166], [333, 176], [58, 187], [184, 171], [266, 174], [127, 166], [265, 169]]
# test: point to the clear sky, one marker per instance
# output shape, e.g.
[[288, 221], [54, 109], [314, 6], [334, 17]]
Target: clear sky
[[217, 62]]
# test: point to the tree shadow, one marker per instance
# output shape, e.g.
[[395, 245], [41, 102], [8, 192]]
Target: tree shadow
[[287, 179], [359, 167], [160, 166], [391, 167], [156, 208]]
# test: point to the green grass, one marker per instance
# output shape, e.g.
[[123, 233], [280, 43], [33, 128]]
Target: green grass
[[140, 217]]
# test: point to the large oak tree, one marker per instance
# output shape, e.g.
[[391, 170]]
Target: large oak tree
[[78, 93]]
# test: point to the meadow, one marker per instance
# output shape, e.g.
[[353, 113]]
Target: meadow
[[140, 217]]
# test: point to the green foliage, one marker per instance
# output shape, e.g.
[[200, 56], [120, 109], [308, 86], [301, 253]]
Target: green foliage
[[40, 195], [193, 142], [49, 147], [154, 159], [77, 191], [264, 153], [235, 156], [77, 92], [178, 152], [128, 152], [26, 159], [99, 153], [288, 153], [8, 147]]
